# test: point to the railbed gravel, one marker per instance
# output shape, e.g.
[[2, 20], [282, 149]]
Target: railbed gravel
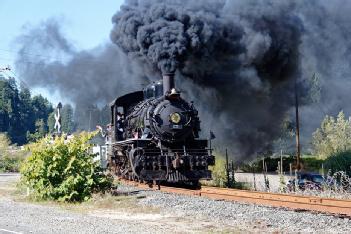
[[244, 216], [33, 218]]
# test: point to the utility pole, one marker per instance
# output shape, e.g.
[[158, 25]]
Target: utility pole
[[90, 119], [298, 147], [227, 168]]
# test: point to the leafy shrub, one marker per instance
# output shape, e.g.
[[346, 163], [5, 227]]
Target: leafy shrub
[[10, 156], [10, 164], [64, 170], [310, 163], [219, 177], [339, 162]]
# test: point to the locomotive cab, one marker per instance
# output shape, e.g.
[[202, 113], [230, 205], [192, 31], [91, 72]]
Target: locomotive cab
[[121, 107]]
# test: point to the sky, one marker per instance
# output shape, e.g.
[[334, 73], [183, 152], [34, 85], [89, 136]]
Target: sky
[[85, 23]]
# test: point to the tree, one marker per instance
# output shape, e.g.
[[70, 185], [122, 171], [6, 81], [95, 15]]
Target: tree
[[333, 137], [20, 114], [42, 107], [40, 131], [26, 110], [51, 122], [67, 119], [10, 105]]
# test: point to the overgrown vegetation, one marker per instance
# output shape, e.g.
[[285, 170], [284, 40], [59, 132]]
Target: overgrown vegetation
[[333, 137], [219, 178], [10, 156], [25, 118], [339, 162], [310, 163], [21, 114], [63, 171]]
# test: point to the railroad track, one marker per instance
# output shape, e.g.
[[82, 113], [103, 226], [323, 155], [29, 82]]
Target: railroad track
[[294, 202]]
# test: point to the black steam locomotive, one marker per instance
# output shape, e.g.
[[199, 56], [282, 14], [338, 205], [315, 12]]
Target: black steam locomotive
[[154, 136]]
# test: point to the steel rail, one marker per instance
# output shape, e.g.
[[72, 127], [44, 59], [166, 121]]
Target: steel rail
[[289, 201]]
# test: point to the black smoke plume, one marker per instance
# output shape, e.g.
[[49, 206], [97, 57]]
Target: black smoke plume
[[237, 59], [248, 61]]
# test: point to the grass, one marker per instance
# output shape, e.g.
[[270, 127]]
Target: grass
[[8, 189], [11, 161], [122, 203], [98, 202]]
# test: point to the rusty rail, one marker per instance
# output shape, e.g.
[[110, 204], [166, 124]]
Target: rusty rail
[[294, 202]]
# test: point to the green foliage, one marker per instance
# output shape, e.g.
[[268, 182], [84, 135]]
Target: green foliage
[[12, 162], [310, 163], [64, 171], [67, 119], [51, 122], [219, 177], [4, 144], [339, 162], [10, 156], [40, 131], [19, 112], [334, 136]]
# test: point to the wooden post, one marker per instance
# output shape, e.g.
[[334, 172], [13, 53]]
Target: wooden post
[[254, 177], [227, 166], [233, 175], [298, 147], [281, 162]]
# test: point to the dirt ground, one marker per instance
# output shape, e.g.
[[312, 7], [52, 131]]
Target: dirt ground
[[111, 214]]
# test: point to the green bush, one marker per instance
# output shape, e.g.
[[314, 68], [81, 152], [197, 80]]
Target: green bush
[[10, 156], [219, 177], [10, 164], [63, 170], [310, 163], [339, 162]]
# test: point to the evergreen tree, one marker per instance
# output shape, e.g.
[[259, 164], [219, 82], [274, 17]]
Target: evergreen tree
[[26, 109], [42, 107], [67, 119], [51, 122], [20, 114], [10, 104]]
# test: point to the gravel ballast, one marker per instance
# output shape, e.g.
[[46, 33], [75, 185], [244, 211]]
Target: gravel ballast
[[158, 212], [248, 216]]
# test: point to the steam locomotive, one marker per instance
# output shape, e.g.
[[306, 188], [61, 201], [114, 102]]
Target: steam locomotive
[[154, 136]]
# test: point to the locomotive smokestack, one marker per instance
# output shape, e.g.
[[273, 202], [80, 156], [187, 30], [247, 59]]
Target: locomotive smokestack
[[168, 82]]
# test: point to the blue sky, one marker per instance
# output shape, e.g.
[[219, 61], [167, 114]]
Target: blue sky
[[86, 23]]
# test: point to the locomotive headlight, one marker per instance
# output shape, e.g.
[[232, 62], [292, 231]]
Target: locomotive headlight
[[175, 117]]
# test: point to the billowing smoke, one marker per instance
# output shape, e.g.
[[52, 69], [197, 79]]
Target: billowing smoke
[[247, 61], [237, 59], [89, 79]]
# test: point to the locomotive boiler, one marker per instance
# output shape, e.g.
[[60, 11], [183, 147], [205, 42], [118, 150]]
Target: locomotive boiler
[[155, 136]]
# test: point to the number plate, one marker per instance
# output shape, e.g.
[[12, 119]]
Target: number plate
[[177, 126]]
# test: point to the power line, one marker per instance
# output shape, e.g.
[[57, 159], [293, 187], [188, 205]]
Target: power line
[[35, 55], [17, 79]]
